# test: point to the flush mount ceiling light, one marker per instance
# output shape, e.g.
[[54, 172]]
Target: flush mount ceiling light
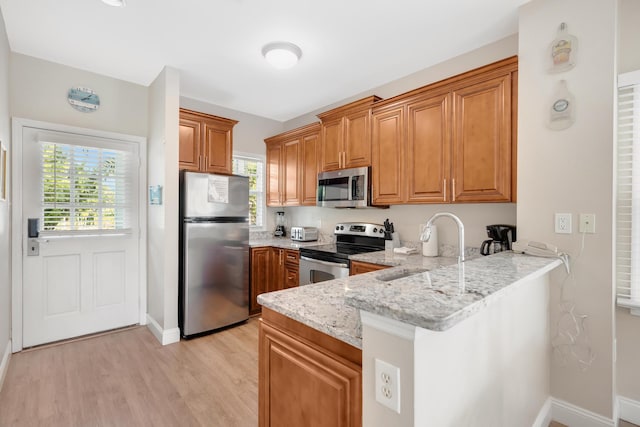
[[115, 3], [281, 55]]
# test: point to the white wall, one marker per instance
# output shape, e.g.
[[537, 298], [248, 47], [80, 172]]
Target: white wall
[[572, 171], [250, 131], [5, 231], [39, 92], [628, 326], [489, 370], [162, 242], [407, 219]]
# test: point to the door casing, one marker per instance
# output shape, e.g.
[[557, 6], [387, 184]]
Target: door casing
[[17, 232]]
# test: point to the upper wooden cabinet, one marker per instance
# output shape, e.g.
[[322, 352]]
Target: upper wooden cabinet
[[292, 167], [346, 135], [206, 142], [482, 141], [452, 141]]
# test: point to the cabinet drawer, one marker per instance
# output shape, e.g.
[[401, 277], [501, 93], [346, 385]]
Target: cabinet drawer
[[291, 256]]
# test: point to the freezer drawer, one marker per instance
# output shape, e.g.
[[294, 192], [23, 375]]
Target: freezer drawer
[[215, 284]]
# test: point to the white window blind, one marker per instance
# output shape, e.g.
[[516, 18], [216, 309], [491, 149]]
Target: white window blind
[[252, 167], [87, 189], [628, 192]]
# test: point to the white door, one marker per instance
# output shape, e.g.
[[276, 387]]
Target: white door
[[81, 274]]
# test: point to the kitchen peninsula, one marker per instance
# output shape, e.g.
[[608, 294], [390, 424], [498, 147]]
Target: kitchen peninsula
[[471, 342]]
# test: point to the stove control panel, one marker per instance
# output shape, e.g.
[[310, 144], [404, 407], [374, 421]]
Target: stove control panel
[[360, 229]]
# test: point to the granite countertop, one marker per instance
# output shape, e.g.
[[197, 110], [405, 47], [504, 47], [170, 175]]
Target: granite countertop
[[436, 299], [281, 242]]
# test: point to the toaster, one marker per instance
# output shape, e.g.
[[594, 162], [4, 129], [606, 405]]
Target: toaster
[[304, 234]]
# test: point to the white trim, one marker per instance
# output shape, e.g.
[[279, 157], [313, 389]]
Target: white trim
[[544, 416], [168, 336], [628, 79], [390, 326], [18, 124], [629, 409], [4, 364], [571, 415]]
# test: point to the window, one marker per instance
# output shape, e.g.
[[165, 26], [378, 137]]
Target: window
[[86, 188], [628, 192], [253, 167]]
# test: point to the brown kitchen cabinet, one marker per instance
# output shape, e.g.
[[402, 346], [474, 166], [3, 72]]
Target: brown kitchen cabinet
[[448, 142], [359, 267], [345, 137], [272, 269], [482, 141], [205, 142], [292, 167], [306, 375], [260, 279]]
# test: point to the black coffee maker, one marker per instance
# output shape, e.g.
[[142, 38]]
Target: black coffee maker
[[501, 237]]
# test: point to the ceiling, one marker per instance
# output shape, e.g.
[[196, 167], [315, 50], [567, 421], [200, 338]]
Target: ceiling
[[349, 46]]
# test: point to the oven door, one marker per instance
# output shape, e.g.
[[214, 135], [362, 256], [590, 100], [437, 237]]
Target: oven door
[[315, 270]]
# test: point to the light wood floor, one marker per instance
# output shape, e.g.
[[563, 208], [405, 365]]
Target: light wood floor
[[128, 379]]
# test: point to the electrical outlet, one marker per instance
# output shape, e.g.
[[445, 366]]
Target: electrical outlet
[[563, 223], [387, 385], [587, 223]]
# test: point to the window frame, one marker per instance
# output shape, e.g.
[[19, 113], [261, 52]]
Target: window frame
[[263, 205], [626, 249], [135, 162]]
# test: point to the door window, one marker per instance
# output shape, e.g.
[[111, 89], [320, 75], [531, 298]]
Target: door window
[[86, 189]]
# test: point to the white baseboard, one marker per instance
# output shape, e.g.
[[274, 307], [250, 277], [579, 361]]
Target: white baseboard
[[629, 409], [575, 416], [4, 364], [544, 416], [168, 336]]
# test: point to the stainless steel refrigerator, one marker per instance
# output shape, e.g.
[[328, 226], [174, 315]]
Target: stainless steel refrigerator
[[214, 252]]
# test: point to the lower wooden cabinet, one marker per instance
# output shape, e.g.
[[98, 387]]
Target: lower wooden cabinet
[[306, 377], [260, 276], [272, 269], [359, 267]]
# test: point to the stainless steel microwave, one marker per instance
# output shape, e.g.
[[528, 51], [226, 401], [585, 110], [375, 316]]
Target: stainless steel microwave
[[344, 188]]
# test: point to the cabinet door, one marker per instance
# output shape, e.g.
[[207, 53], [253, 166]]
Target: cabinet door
[[274, 161], [357, 139], [387, 149], [260, 276], [310, 166], [290, 176], [217, 148], [190, 143], [332, 136], [359, 267], [482, 141], [291, 276], [428, 149], [300, 385], [277, 270]]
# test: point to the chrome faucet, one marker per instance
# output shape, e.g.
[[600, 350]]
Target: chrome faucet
[[460, 231]]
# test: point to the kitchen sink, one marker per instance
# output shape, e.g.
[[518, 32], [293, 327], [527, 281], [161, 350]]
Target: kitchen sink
[[387, 276]]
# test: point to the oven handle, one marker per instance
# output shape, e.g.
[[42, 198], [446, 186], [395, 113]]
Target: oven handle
[[327, 263]]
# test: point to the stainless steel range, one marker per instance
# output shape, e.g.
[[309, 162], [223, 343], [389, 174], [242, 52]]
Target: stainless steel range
[[328, 262]]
